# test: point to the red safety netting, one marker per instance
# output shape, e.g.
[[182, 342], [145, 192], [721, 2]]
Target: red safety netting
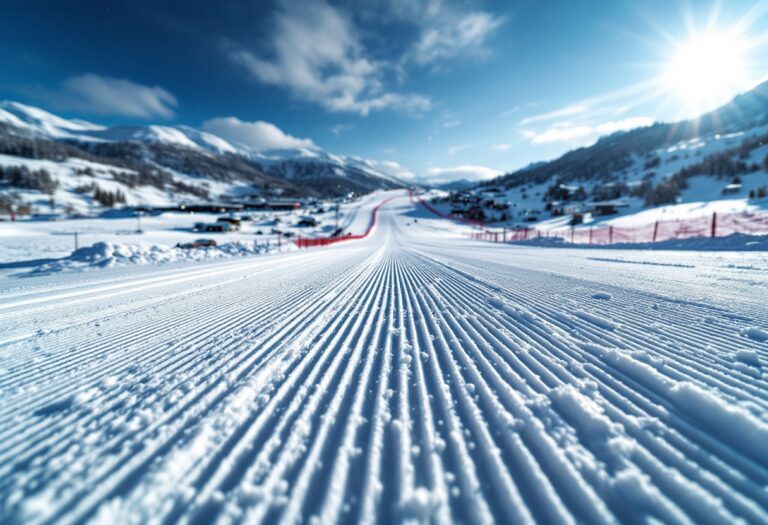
[[715, 225], [326, 241]]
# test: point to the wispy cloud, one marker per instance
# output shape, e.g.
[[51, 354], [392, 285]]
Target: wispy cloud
[[509, 112], [453, 150], [258, 135], [582, 134], [502, 147], [466, 172], [102, 95], [582, 122], [316, 53], [614, 102], [322, 54], [567, 111], [338, 129], [451, 32]]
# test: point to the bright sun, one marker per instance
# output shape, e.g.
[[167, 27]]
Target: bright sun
[[707, 70]]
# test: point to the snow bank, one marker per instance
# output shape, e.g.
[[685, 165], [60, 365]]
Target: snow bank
[[108, 254]]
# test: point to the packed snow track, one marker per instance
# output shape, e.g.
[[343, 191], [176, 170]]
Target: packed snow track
[[415, 375]]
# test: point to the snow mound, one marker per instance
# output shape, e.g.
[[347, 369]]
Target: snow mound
[[754, 333], [108, 254], [748, 357]]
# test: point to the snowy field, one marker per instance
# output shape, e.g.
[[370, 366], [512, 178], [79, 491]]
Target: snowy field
[[415, 375], [30, 246]]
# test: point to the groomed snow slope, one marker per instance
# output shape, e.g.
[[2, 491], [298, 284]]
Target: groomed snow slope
[[412, 375]]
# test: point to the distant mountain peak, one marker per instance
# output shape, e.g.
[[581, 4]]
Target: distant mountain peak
[[44, 122], [310, 165]]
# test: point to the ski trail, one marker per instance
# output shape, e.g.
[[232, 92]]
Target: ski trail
[[406, 377]]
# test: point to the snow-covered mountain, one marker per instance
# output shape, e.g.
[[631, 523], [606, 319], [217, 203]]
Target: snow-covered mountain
[[300, 169], [619, 154], [722, 155], [45, 124]]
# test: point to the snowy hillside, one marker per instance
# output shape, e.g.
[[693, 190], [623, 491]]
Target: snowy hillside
[[720, 158], [187, 164]]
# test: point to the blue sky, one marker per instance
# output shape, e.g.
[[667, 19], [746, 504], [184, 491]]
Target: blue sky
[[446, 89]]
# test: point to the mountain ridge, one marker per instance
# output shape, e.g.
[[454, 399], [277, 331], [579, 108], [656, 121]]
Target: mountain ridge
[[311, 169], [614, 153]]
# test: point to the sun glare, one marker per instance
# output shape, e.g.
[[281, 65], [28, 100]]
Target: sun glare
[[707, 70]]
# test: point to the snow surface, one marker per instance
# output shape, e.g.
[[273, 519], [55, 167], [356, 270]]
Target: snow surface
[[413, 376]]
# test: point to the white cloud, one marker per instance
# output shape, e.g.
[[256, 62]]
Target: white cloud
[[316, 52], [448, 32], [583, 134], [502, 147], [442, 175], [96, 94], [392, 168], [258, 135]]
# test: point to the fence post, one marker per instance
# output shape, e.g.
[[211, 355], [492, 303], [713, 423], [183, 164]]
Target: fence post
[[590, 235], [504, 235], [279, 241], [714, 224], [572, 228], [655, 230], [610, 234]]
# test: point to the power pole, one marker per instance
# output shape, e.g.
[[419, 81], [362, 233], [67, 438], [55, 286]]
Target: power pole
[[337, 216]]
